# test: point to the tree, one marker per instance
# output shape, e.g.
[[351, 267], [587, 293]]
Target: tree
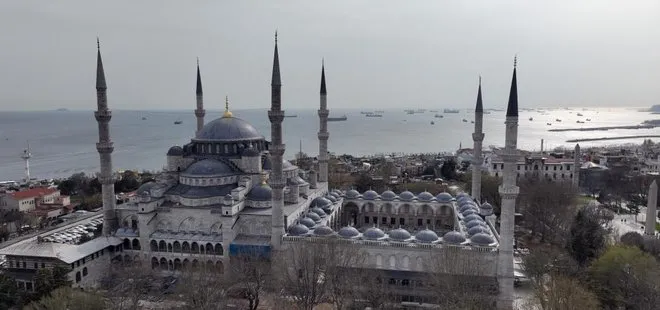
[[625, 277], [559, 292], [66, 298], [548, 208], [589, 234], [652, 246], [67, 187], [363, 182], [203, 288], [249, 277], [633, 238], [128, 283], [49, 279], [8, 292], [448, 169]]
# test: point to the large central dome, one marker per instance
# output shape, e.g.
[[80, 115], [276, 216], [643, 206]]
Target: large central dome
[[228, 129]]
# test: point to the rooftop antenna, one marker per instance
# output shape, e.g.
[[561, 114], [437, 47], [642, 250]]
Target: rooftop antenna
[[26, 157]]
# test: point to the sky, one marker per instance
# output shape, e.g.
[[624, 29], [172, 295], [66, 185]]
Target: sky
[[378, 54]]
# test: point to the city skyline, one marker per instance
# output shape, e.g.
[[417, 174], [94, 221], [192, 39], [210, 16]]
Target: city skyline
[[418, 55]]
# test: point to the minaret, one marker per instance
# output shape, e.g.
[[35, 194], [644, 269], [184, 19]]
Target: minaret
[[651, 209], [509, 192], [105, 148], [323, 130], [199, 112], [276, 149], [26, 157], [478, 138], [576, 167]]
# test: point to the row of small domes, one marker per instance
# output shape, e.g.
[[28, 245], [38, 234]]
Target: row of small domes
[[404, 196], [481, 237]]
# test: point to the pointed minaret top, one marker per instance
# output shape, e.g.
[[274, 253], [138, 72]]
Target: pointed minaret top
[[275, 81], [512, 107], [480, 106], [199, 80], [323, 90], [100, 74]]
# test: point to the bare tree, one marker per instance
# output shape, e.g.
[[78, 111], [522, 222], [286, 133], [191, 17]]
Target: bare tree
[[559, 292], [249, 278], [343, 260], [129, 283], [202, 288], [548, 208], [69, 299]]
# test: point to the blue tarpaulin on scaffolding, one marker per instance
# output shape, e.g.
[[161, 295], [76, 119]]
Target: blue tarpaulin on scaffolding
[[255, 246]]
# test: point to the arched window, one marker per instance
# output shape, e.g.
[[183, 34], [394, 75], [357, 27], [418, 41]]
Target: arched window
[[136, 244], [154, 263], [176, 247], [209, 248], [84, 271], [194, 248], [379, 260], [162, 246], [154, 245], [392, 261], [169, 247], [185, 247], [177, 264], [127, 243], [78, 277], [218, 249]]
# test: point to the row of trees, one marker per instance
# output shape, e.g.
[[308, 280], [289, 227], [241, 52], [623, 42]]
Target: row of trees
[[80, 184], [46, 281]]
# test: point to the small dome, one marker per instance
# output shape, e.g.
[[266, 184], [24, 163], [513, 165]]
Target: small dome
[[453, 237], [373, 233], [175, 151], [319, 211], [348, 232], [298, 230], [315, 217], [370, 195], [320, 202], [425, 196], [323, 231], [352, 194], [406, 196], [399, 234], [250, 152], [261, 192], [462, 194], [426, 236], [444, 197], [463, 200], [476, 229], [486, 209], [207, 167], [308, 222], [145, 188], [333, 199], [482, 239], [388, 195], [474, 223], [468, 207], [472, 217], [469, 212], [337, 193]]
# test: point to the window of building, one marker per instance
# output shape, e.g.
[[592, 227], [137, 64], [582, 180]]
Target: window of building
[[561, 167], [36, 265], [495, 166], [43, 265], [28, 286], [555, 168], [502, 166], [375, 220], [78, 277], [393, 221], [546, 168], [518, 167], [84, 271], [78, 263], [24, 265], [419, 222], [384, 220], [366, 220], [11, 264], [402, 221]]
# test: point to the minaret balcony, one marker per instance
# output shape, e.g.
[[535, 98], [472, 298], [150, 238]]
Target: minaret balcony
[[478, 137], [276, 116], [323, 136], [103, 115], [200, 112], [509, 191], [323, 113], [105, 147], [106, 179]]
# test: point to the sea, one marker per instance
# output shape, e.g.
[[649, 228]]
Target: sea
[[63, 142]]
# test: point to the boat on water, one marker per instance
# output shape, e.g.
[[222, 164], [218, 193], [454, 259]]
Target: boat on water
[[410, 112], [557, 120], [434, 111], [531, 118], [337, 119], [579, 114], [549, 124], [464, 121], [471, 122], [374, 115], [144, 118], [432, 123], [178, 122], [580, 122], [438, 116], [451, 111], [588, 120], [292, 115]]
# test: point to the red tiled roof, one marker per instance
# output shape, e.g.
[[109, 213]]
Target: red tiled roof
[[33, 192]]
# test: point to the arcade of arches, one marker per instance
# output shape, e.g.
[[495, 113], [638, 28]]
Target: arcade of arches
[[410, 216]]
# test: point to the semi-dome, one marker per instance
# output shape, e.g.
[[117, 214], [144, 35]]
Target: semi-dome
[[323, 231], [308, 222], [352, 194], [388, 195], [373, 233], [444, 197], [315, 217], [320, 202], [175, 151], [426, 236], [145, 188], [207, 167], [370, 195], [298, 230], [482, 239], [399, 234], [474, 223], [261, 192], [472, 217], [319, 211], [348, 232], [425, 196], [453, 237], [406, 196], [229, 129], [476, 230]]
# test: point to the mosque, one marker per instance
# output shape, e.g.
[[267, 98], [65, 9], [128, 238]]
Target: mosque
[[228, 191]]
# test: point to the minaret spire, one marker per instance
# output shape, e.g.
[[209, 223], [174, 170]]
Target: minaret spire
[[323, 129], [477, 138], [199, 95], [105, 148], [509, 192], [276, 149]]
